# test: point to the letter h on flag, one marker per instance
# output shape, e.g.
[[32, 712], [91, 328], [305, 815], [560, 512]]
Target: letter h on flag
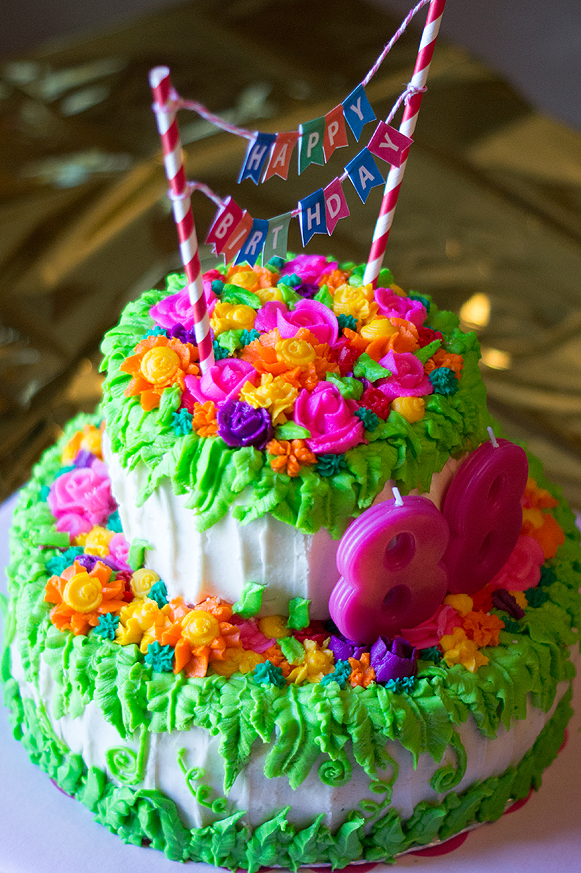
[[256, 154], [312, 217]]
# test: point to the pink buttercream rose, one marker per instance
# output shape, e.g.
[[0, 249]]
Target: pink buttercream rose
[[119, 550], [428, 633], [177, 309], [251, 637], [85, 491], [314, 316], [523, 568], [407, 376], [223, 381], [333, 426], [266, 316], [309, 267], [392, 305], [73, 524]]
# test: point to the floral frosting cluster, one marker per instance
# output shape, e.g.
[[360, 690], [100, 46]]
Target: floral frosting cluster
[[309, 361], [98, 585]]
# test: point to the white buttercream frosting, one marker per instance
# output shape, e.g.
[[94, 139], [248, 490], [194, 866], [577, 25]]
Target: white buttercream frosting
[[195, 564]]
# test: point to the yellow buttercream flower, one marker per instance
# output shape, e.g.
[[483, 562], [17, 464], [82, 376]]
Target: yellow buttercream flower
[[275, 394], [358, 302], [462, 603], [397, 290], [274, 626], [295, 352], [91, 440], [244, 279], [410, 408], [316, 664], [228, 316], [458, 649], [200, 628], [83, 593], [237, 660], [97, 541], [142, 582], [265, 295], [159, 365], [377, 329], [136, 618]]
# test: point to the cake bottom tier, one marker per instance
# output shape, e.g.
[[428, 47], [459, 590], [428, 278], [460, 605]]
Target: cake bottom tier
[[165, 789]]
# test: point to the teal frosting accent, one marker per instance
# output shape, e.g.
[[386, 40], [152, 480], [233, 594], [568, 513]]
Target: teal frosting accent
[[215, 477]]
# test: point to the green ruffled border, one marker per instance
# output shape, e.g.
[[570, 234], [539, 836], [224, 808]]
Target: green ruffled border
[[148, 817], [216, 476], [299, 722]]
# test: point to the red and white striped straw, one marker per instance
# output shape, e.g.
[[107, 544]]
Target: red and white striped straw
[[165, 108], [407, 126]]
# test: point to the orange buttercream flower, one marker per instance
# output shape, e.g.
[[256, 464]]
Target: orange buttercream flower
[[537, 497], [405, 338], [88, 438], [333, 280], [543, 527], [482, 628], [361, 671], [204, 420], [275, 656], [289, 456], [442, 358], [158, 362], [81, 597], [263, 357]]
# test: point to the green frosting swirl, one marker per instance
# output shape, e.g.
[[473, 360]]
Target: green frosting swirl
[[336, 772]]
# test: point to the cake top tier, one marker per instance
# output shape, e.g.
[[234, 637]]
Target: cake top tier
[[322, 390]]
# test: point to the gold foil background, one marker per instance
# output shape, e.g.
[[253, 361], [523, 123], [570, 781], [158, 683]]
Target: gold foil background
[[488, 221]]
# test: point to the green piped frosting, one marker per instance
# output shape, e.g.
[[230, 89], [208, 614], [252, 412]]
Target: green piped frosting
[[215, 477]]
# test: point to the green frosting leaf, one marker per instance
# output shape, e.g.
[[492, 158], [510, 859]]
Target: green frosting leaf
[[250, 600]]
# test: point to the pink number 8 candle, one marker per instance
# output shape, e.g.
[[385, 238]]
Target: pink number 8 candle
[[482, 508], [391, 571]]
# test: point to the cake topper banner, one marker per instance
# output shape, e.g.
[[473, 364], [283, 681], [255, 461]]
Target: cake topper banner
[[234, 232]]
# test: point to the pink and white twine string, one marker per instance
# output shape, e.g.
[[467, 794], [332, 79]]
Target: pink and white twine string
[[179, 193], [407, 127]]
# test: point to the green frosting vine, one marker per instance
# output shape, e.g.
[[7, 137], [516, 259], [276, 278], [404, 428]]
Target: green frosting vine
[[216, 477]]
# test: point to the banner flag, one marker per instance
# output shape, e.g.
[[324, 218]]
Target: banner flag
[[312, 215], [280, 155], [256, 155], [335, 131], [335, 204], [225, 220], [276, 240], [389, 144], [237, 238], [357, 111], [311, 135], [364, 174], [254, 242]]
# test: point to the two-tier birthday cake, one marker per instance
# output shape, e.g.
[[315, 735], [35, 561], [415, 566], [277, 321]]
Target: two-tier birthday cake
[[304, 607]]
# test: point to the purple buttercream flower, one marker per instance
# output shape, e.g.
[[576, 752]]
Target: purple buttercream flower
[[393, 660], [343, 649], [239, 424], [307, 290], [84, 459], [178, 331]]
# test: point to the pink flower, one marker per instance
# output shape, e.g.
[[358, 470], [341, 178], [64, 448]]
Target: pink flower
[[251, 637], [314, 316], [119, 550], [309, 267], [177, 309], [407, 376], [266, 317], [223, 381], [523, 568], [392, 305], [74, 524], [428, 633], [85, 492], [330, 419]]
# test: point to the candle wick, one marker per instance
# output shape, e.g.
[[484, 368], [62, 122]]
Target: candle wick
[[397, 496], [493, 439]]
